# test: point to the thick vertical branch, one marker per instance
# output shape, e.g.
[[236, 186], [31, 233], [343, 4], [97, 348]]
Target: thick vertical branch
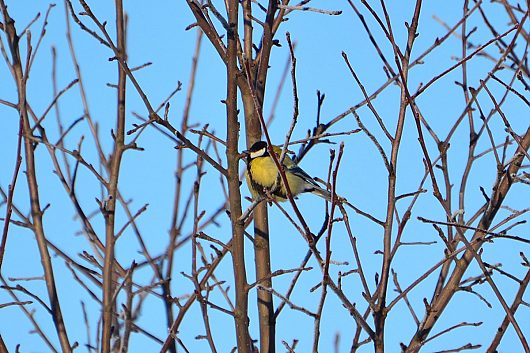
[[31, 177], [247, 27], [238, 248], [263, 275], [260, 214], [265, 50], [109, 206]]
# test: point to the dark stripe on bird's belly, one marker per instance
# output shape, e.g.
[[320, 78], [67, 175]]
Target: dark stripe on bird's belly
[[259, 188]]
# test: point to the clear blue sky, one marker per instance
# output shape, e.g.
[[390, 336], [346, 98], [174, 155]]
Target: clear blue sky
[[156, 33]]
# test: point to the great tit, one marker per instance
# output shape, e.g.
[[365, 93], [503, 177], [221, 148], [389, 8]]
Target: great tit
[[261, 175]]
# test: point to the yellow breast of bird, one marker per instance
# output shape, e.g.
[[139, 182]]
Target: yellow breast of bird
[[263, 175]]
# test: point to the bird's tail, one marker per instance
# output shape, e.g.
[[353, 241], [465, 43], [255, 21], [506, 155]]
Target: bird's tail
[[317, 190]]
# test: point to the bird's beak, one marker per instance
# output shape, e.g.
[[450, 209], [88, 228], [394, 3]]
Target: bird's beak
[[244, 154]]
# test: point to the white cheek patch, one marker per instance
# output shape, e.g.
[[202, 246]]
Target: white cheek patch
[[258, 153]]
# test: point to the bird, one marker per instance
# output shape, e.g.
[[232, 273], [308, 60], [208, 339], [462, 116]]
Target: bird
[[261, 175]]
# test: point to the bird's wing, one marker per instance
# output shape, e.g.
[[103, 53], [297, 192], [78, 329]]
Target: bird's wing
[[310, 183], [296, 170]]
